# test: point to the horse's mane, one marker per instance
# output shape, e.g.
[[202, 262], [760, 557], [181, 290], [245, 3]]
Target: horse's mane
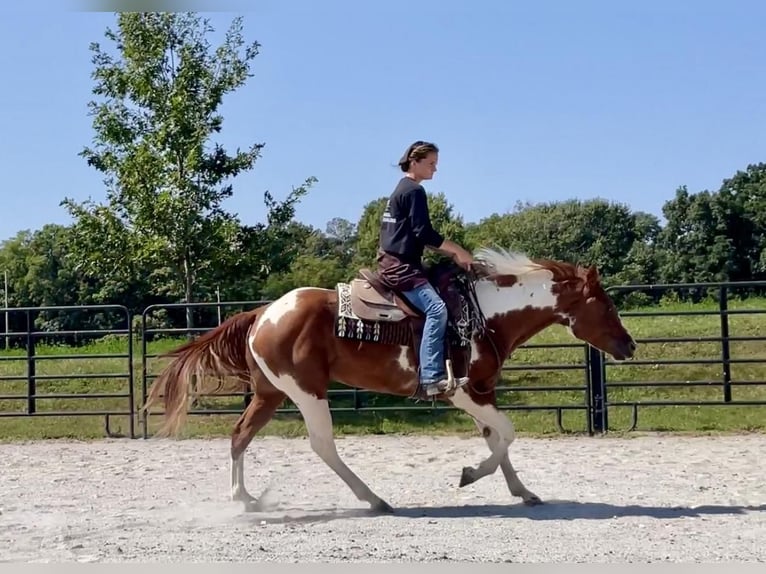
[[499, 261]]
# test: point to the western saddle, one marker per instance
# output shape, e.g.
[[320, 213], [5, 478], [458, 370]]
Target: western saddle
[[373, 301]]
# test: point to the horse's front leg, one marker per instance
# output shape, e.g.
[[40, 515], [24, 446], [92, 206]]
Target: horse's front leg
[[486, 415], [512, 479]]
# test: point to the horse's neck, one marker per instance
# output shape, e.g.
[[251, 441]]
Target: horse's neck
[[517, 312], [532, 291]]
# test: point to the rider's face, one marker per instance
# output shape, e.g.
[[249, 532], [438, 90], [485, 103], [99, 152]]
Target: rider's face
[[426, 167]]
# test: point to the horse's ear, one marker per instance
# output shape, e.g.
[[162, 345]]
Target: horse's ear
[[592, 278]]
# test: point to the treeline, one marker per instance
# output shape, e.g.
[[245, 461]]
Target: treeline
[[162, 235]]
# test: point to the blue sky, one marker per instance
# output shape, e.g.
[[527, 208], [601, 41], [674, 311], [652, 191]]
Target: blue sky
[[537, 100]]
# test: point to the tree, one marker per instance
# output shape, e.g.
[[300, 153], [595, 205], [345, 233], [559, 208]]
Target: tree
[[695, 243], [160, 96], [717, 235], [742, 208], [640, 265], [368, 232], [265, 249], [594, 232], [323, 259], [340, 238], [41, 275]]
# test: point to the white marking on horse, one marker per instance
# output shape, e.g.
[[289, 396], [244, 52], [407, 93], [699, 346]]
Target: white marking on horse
[[533, 291], [486, 414], [281, 307], [475, 352], [238, 490], [273, 314], [404, 359]]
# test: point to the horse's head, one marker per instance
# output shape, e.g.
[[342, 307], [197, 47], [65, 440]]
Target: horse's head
[[588, 311]]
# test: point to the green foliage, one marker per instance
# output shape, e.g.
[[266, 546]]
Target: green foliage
[[716, 236], [368, 230], [591, 232], [41, 275], [261, 250]]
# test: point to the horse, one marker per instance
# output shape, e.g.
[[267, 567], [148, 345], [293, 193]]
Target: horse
[[364, 334]]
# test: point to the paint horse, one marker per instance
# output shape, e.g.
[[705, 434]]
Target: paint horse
[[366, 337]]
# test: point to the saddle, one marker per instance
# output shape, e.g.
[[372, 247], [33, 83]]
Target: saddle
[[373, 301], [381, 314]]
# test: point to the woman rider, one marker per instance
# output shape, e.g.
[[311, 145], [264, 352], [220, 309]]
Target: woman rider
[[405, 232]]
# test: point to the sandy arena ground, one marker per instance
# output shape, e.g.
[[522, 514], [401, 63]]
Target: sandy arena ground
[[640, 499]]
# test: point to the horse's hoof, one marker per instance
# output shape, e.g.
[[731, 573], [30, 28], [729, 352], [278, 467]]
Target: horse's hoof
[[253, 505], [467, 476], [382, 507], [533, 501]]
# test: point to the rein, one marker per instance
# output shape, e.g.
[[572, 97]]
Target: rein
[[468, 281]]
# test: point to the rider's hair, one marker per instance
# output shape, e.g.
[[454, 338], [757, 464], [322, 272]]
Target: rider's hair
[[415, 152]]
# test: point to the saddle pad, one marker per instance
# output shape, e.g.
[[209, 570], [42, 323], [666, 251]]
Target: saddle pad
[[344, 301]]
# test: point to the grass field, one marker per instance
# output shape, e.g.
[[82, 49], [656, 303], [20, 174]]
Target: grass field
[[564, 379]]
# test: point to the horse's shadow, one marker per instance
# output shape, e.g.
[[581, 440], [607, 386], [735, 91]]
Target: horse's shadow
[[551, 510]]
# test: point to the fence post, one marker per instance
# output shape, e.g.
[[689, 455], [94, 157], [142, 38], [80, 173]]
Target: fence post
[[597, 391], [131, 374], [31, 370], [723, 307], [144, 373], [588, 392]]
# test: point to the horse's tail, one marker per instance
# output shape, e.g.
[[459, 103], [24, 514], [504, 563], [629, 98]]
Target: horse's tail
[[203, 366]]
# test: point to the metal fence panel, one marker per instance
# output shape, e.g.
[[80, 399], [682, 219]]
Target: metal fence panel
[[35, 362], [603, 382], [41, 374]]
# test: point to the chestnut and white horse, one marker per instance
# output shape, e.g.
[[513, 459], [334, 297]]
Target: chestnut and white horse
[[291, 348]]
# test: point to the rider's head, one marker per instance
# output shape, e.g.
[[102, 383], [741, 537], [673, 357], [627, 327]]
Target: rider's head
[[419, 160]]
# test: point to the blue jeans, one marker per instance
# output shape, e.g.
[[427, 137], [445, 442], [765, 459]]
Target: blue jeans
[[432, 363]]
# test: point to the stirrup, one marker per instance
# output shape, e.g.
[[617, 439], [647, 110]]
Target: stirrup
[[446, 386]]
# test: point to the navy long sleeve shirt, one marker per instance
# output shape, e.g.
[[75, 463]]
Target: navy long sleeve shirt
[[405, 231], [406, 223]]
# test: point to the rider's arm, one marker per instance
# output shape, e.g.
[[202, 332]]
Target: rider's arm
[[420, 220], [421, 224]]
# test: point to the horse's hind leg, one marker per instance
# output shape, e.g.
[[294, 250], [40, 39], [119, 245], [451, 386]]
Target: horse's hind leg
[[261, 409], [318, 419], [315, 411]]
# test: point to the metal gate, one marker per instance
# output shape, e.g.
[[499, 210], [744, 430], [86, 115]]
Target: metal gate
[[605, 385]]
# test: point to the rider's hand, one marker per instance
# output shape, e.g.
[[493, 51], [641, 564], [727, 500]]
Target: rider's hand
[[464, 259]]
